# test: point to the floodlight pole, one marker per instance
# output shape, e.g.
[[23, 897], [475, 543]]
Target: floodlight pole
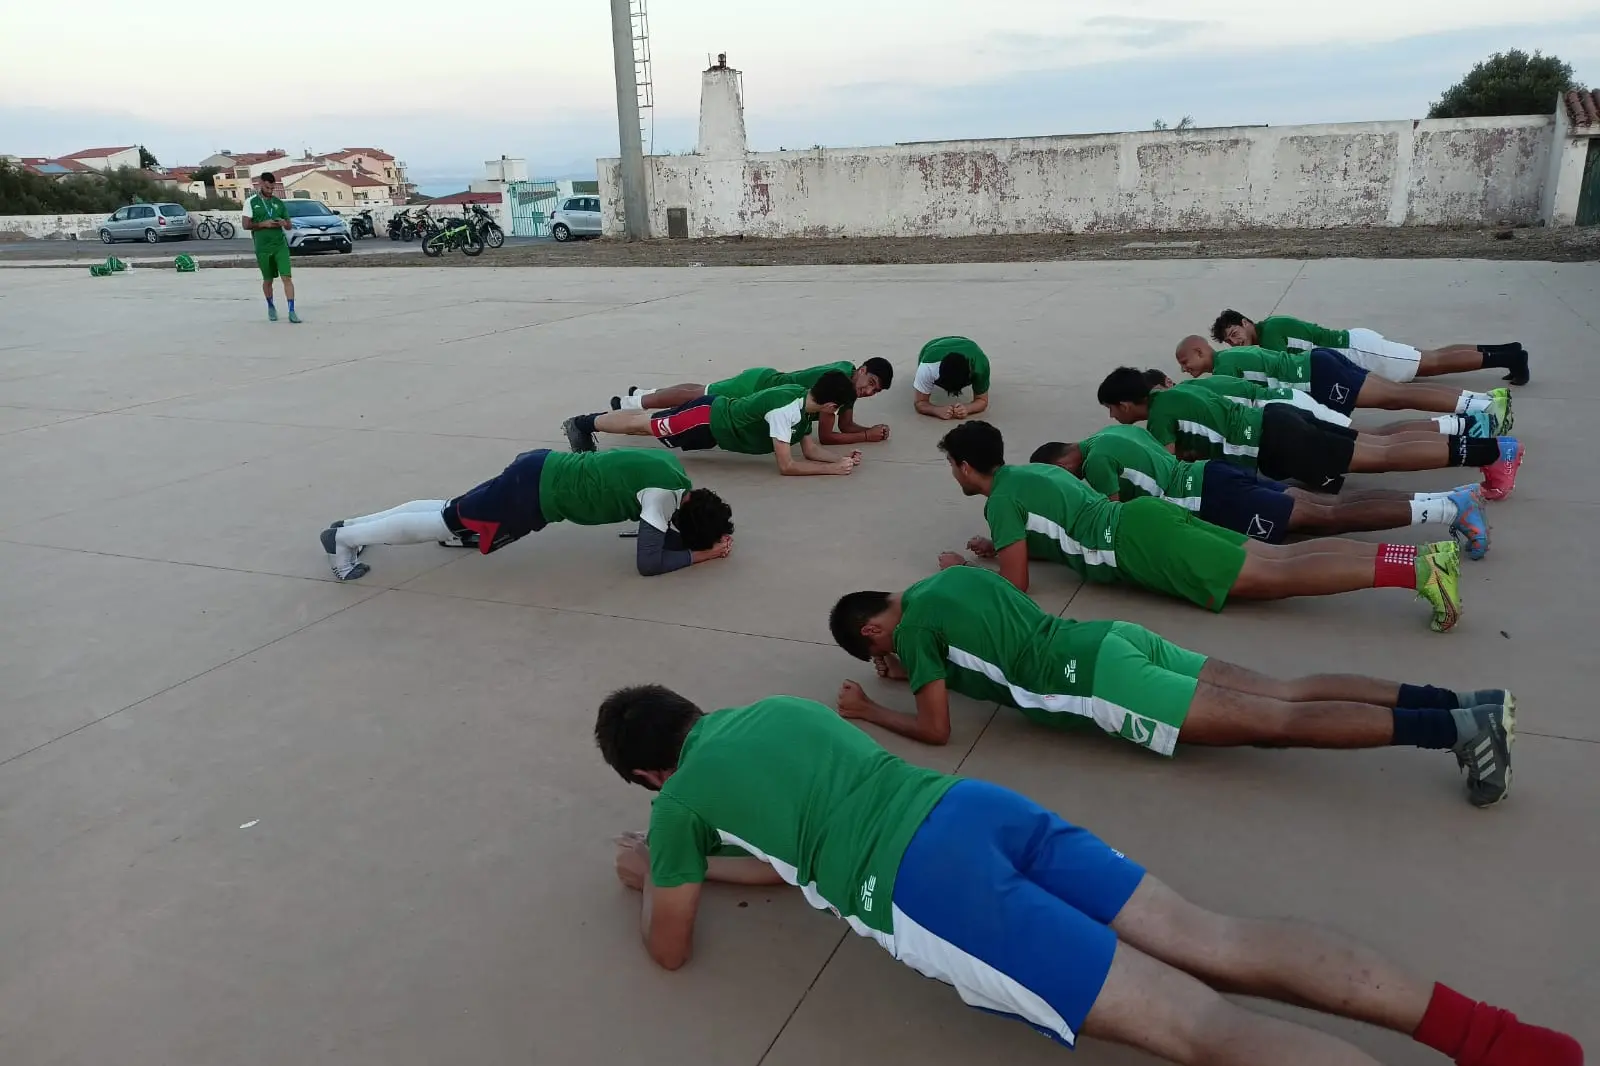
[[635, 212]]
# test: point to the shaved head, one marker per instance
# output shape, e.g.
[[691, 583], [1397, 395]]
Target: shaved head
[[1191, 342], [1195, 355]]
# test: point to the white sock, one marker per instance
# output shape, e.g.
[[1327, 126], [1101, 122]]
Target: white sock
[[405, 508], [1452, 425], [1433, 512], [1473, 401], [634, 402], [398, 527]]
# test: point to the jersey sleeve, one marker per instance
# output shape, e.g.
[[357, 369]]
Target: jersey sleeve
[[1102, 474], [680, 841], [782, 422], [1008, 523], [926, 375], [921, 652], [980, 375], [657, 506]]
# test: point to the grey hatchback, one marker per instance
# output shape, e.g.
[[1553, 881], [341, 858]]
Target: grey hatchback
[[147, 222]]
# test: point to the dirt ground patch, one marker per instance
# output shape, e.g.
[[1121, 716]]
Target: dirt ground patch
[[1558, 245]]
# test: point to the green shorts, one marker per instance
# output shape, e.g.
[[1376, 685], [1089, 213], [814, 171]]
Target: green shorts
[[747, 383], [274, 263], [1143, 686], [1162, 547]]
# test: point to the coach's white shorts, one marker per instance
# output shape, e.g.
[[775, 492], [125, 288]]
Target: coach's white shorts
[[1385, 358]]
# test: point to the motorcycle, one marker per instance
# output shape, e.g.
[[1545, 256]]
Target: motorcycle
[[423, 224], [400, 228], [361, 225], [486, 226], [456, 233]]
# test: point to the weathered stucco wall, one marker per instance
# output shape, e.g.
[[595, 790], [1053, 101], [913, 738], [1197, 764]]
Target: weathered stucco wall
[[1373, 173]]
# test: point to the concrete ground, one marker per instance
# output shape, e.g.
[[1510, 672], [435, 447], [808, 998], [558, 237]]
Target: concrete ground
[[252, 816]]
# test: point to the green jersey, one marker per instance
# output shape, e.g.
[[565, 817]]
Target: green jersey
[[264, 209], [1126, 462], [1204, 425], [933, 354], [1062, 519], [1284, 334], [1265, 367], [973, 630], [749, 382], [793, 784], [625, 485], [1241, 390], [750, 424]]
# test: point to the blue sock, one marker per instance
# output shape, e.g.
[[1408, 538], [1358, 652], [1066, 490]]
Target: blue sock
[[1427, 696], [1425, 727], [269, 301], [291, 305]]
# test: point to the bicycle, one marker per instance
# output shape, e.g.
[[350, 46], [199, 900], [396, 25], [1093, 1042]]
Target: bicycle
[[453, 233], [210, 225]]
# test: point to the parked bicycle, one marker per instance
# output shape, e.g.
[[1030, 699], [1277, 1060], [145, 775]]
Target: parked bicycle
[[211, 226], [453, 233], [487, 227]]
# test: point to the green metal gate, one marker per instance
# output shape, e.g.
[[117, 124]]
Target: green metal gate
[[531, 203], [1589, 191]]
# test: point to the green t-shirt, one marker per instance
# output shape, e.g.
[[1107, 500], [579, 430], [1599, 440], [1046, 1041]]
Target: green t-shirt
[[623, 485], [749, 382], [1127, 462], [750, 424], [793, 784], [263, 209], [1063, 519], [1265, 367], [933, 354], [970, 628], [1284, 334], [1205, 425]]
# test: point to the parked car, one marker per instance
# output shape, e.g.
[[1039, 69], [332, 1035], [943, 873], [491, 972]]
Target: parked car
[[316, 228], [578, 216], [151, 223]]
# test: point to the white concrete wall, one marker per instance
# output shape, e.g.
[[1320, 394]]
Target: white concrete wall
[[1412, 172]]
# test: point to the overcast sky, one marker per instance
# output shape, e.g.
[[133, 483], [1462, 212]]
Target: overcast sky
[[831, 72]]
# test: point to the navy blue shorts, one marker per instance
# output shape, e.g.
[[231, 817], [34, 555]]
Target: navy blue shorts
[[504, 508], [1237, 499], [1012, 906], [1335, 380]]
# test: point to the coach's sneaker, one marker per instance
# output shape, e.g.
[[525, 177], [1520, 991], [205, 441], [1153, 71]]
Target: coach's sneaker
[[1439, 582], [578, 438], [342, 561], [1478, 424], [1500, 411], [272, 313], [294, 317], [1485, 751], [1470, 525], [1500, 477]]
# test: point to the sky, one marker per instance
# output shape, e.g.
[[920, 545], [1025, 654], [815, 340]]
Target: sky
[[826, 72]]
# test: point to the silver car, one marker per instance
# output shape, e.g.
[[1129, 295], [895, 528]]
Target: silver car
[[317, 228], [150, 223], [578, 216]]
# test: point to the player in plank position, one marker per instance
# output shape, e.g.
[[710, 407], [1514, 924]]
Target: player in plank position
[[1042, 512], [968, 630], [870, 378], [1335, 381], [978, 887], [1125, 463], [1370, 350], [678, 524], [770, 422], [951, 364], [1287, 443]]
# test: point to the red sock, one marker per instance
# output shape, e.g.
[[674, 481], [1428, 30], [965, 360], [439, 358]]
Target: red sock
[[1476, 1034], [1396, 567]]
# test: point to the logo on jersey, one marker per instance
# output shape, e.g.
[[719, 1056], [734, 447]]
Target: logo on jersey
[[866, 894], [1260, 528], [1339, 394], [1072, 672]]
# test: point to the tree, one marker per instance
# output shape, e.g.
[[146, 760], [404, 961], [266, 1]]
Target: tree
[[1184, 123], [147, 159], [1507, 83], [24, 193], [205, 174]]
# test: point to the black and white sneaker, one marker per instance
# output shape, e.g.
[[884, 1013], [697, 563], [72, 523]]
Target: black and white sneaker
[[577, 439], [342, 561], [1486, 755]]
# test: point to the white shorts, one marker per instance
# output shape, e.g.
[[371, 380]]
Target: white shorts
[[1387, 359], [1304, 401]]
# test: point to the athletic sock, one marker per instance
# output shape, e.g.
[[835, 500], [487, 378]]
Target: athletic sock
[[634, 401], [1433, 511], [1424, 727], [1395, 567], [1474, 451], [1476, 1034], [291, 305], [269, 301], [585, 423], [1431, 697], [1500, 355], [1468, 402], [1451, 425]]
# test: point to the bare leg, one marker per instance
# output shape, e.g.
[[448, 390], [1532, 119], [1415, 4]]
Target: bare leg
[[626, 423], [1337, 514], [1451, 359], [1223, 717], [1317, 546], [1379, 455], [288, 288], [266, 288], [671, 397], [1352, 688], [1411, 426], [1149, 1005], [1275, 575], [1394, 396]]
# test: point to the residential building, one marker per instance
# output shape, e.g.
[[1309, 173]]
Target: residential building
[[107, 158], [235, 182], [49, 168], [339, 189], [379, 164]]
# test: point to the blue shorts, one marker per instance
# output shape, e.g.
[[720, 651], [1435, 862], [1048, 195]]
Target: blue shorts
[[1237, 499], [1012, 906], [1335, 380], [504, 508]]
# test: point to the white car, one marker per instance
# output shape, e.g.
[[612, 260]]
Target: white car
[[316, 228], [578, 216]]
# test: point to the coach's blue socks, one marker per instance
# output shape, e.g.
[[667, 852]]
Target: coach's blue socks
[[1430, 696], [1424, 727], [291, 305]]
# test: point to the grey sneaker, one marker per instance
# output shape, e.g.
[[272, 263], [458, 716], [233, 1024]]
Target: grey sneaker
[[1486, 755], [342, 561], [577, 439]]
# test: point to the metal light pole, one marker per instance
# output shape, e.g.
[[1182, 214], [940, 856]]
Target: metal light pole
[[635, 212]]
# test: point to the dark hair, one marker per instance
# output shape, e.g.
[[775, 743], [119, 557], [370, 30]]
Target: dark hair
[[1156, 379], [267, 178], [955, 373], [834, 387], [853, 611], [702, 519], [1123, 385], [880, 368], [978, 444], [1049, 453], [1230, 317], [643, 728]]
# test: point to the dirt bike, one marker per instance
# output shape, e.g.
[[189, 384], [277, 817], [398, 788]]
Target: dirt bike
[[486, 226], [210, 226], [454, 233]]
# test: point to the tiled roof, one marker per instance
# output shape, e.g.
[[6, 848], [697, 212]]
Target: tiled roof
[[55, 167], [376, 153], [298, 168], [94, 153], [1583, 108], [467, 198], [251, 158], [354, 180]]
